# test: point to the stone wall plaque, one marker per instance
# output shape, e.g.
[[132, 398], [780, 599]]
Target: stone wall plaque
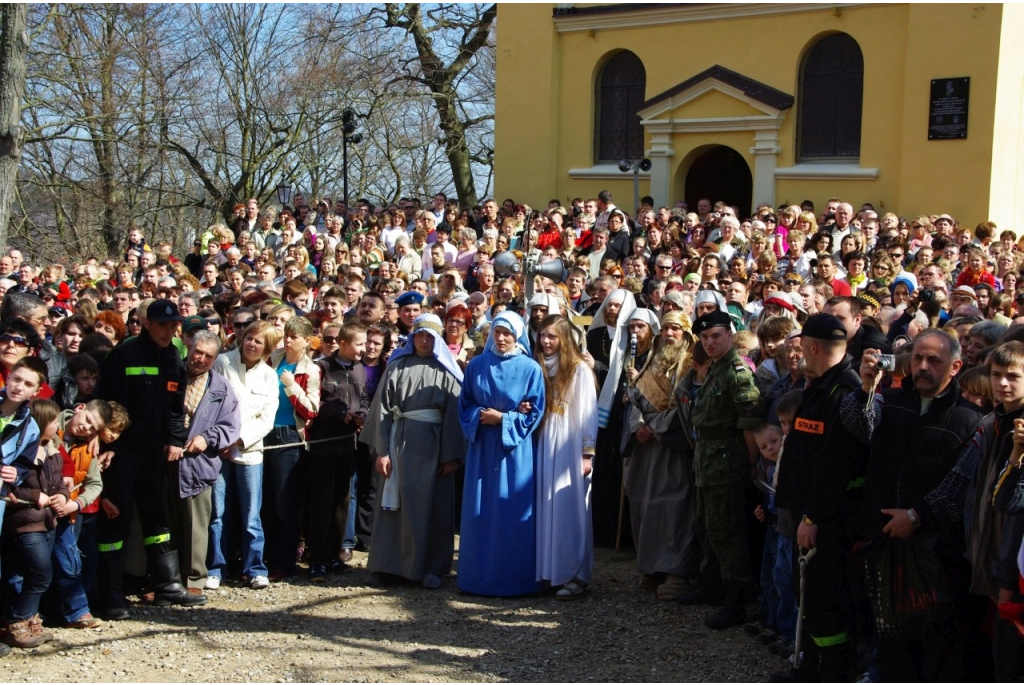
[[947, 110]]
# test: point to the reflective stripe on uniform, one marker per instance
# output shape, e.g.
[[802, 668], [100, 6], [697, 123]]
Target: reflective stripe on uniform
[[142, 371], [832, 640], [856, 483], [156, 539], [111, 546]]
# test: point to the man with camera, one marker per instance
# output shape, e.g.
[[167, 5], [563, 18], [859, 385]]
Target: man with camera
[[849, 311], [913, 485]]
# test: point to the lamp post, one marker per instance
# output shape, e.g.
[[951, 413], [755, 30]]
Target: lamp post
[[284, 192], [349, 135], [636, 166]]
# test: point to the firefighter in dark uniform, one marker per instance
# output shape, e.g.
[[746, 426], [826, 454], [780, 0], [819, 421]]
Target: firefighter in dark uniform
[[146, 375], [820, 479], [727, 410]]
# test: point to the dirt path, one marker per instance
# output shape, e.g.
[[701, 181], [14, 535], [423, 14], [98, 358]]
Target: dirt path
[[347, 631]]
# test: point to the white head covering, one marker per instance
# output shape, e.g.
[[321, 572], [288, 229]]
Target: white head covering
[[432, 324], [711, 296], [512, 322], [620, 341], [544, 300], [648, 317]]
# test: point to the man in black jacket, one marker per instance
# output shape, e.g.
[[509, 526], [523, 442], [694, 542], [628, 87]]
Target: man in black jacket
[[819, 474], [146, 375], [858, 338], [914, 489]]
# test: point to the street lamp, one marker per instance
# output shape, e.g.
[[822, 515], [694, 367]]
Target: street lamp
[[284, 193], [349, 135], [636, 166]]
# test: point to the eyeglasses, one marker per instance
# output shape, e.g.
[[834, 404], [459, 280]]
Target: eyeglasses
[[329, 339], [133, 322], [896, 255], [213, 321], [242, 324], [14, 339], [662, 266], [460, 322]]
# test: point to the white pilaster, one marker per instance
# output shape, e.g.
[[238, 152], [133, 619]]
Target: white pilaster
[[766, 156]]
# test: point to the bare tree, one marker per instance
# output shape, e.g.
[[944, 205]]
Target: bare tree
[[446, 41], [13, 46]]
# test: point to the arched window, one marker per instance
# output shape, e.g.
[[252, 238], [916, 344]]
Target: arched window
[[831, 95], [619, 95]]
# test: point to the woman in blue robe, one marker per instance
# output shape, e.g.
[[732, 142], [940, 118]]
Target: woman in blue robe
[[501, 404]]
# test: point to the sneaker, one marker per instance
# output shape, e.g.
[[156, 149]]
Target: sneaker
[[318, 574], [259, 582], [212, 582]]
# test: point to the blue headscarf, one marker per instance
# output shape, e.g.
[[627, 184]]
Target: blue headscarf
[[512, 322], [431, 324]]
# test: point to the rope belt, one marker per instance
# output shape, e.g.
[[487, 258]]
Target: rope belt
[[389, 499]]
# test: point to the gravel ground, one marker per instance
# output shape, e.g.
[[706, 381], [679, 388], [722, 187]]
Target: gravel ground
[[345, 630]]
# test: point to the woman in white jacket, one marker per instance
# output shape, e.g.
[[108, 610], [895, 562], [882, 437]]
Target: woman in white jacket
[[238, 492]]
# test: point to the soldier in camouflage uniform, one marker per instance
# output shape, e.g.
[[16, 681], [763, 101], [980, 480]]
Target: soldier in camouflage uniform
[[728, 408]]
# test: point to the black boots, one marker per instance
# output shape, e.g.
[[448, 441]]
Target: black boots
[[732, 612], [709, 593], [111, 581], [167, 588]]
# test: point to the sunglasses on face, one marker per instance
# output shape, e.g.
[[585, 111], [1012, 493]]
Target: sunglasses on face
[[329, 339], [242, 324], [14, 339]]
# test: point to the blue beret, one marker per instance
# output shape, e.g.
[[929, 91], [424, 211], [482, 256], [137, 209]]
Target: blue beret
[[410, 297]]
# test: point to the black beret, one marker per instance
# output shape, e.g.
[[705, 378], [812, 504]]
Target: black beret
[[711, 320]]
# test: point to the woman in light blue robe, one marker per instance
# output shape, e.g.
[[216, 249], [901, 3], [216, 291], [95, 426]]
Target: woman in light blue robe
[[501, 404]]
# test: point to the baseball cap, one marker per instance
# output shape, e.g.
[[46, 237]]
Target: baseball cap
[[824, 327], [194, 323], [159, 311]]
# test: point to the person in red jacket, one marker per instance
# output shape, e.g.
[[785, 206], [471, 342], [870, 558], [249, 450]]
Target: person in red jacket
[[976, 271]]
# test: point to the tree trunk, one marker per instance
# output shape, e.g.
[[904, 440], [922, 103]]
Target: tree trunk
[[13, 46]]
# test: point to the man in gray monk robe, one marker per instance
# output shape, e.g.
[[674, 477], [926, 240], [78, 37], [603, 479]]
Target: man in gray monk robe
[[657, 480], [413, 428]]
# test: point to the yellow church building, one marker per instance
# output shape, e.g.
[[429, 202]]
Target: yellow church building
[[915, 108]]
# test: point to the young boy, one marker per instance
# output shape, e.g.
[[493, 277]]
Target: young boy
[[81, 473], [19, 434], [343, 406], [994, 539], [778, 610], [86, 373]]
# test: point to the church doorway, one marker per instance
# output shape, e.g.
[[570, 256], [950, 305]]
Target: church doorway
[[720, 173]]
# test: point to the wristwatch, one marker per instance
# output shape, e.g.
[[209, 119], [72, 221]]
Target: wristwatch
[[807, 520], [912, 515]]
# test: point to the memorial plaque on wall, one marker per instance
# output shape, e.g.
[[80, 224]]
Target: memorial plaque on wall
[[947, 112]]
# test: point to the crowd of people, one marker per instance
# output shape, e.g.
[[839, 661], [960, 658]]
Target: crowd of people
[[810, 422]]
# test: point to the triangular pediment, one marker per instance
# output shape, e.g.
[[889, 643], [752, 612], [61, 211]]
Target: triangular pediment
[[717, 92]]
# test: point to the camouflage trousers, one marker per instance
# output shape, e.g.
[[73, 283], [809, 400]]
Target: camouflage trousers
[[722, 531]]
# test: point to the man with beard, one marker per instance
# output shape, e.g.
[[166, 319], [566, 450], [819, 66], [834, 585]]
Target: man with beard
[[608, 344], [917, 434], [657, 475], [540, 306]]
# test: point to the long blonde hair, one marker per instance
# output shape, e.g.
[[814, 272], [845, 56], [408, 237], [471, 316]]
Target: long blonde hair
[[558, 389]]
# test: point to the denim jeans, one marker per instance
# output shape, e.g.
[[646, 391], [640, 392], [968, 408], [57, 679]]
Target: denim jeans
[[30, 571], [282, 490], [67, 570], [782, 587], [237, 498], [349, 541]]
